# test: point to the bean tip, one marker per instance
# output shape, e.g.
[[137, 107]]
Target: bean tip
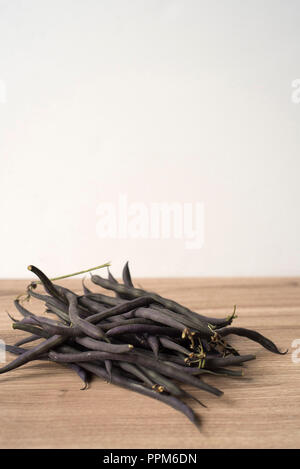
[[29, 267]]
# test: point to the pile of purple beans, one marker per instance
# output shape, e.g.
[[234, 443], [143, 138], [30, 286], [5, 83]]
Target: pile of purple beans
[[136, 339]]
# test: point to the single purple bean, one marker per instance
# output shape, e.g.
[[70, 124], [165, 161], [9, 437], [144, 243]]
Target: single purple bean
[[158, 316], [86, 327], [227, 361], [169, 344], [153, 344], [136, 371], [252, 335], [126, 276], [24, 312], [33, 353], [47, 284], [108, 367], [103, 346], [27, 340]]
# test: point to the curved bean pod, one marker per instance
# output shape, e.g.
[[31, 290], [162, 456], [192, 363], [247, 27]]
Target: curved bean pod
[[32, 353], [154, 344], [23, 311], [27, 340], [86, 327], [227, 361], [252, 335], [126, 276], [47, 284], [125, 307]]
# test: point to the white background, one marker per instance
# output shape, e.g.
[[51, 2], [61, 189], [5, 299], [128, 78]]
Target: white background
[[165, 101]]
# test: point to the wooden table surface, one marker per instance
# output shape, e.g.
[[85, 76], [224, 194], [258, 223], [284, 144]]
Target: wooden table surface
[[42, 406]]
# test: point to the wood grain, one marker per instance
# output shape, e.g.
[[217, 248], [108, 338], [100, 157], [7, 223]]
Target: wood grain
[[42, 406]]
